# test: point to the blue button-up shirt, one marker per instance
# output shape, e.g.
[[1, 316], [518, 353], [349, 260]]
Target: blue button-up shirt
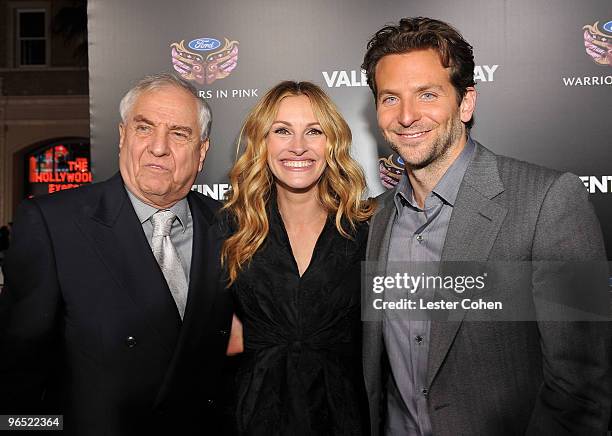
[[417, 235]]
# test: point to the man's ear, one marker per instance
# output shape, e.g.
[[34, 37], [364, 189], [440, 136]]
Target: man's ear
[[203, 149], [468, 104], [121, 134]]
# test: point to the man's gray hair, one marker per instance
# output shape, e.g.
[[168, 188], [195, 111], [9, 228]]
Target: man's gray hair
[[157, 81]]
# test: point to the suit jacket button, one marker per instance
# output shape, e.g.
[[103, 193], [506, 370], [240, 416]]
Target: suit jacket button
[[224, 332], [130, 341], [210, 402]]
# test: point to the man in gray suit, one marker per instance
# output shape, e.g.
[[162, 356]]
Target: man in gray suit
[[458, 201]]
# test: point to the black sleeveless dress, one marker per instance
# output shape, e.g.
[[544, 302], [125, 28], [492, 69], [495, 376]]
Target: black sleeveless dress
[[300, 372]]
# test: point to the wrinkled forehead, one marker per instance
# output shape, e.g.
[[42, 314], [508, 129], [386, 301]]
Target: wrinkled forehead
[[166, 95], [167, 104]]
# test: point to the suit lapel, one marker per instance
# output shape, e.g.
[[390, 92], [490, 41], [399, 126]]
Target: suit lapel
[[205, 264], [113, 228], [475, 222], [204, 286]]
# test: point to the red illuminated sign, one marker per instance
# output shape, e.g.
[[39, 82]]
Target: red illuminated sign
[[58, 167]]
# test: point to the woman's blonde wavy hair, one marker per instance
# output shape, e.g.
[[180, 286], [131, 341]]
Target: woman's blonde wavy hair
[[340, 187]]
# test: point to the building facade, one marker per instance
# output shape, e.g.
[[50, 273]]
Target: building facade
[[44, 92]]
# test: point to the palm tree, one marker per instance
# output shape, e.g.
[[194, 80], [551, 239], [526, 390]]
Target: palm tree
[[70, 22]]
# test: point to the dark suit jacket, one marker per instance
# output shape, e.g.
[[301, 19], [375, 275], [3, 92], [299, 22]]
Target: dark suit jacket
[[507, 378], [90, 329]]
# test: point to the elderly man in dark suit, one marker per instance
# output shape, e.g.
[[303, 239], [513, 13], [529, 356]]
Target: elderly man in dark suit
[[458, 201], [114, 314]]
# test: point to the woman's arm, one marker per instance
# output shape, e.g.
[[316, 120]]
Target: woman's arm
[[235, 345]]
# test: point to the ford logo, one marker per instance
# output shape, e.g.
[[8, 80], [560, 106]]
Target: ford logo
[[608, 26], [204, 44]]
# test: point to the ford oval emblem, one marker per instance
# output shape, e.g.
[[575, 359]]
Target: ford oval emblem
[[204, 44], [608, 26]]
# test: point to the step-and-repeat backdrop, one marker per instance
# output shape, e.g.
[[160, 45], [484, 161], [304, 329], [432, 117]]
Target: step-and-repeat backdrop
[[543, 74]]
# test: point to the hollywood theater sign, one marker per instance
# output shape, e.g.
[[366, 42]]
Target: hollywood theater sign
[[57, 167]]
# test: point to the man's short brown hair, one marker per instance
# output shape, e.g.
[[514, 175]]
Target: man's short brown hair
[[423, 33]]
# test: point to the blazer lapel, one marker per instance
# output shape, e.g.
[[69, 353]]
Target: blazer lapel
[[112, 227], [376, 253], [475, 222], [380, 229]]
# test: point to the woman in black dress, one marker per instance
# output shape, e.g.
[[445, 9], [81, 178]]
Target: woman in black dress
[[298, 236]]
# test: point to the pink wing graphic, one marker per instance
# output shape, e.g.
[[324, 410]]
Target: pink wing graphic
[[221, 63], [598, 45], [189, 65], [217, 65], [390, 171]]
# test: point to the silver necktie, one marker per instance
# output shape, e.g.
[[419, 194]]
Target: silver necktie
[[167, 257]]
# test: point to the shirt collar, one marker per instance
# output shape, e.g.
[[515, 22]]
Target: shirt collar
[[447, 187], [144, 211]]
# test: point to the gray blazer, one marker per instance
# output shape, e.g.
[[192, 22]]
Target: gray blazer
[[507, 378]]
